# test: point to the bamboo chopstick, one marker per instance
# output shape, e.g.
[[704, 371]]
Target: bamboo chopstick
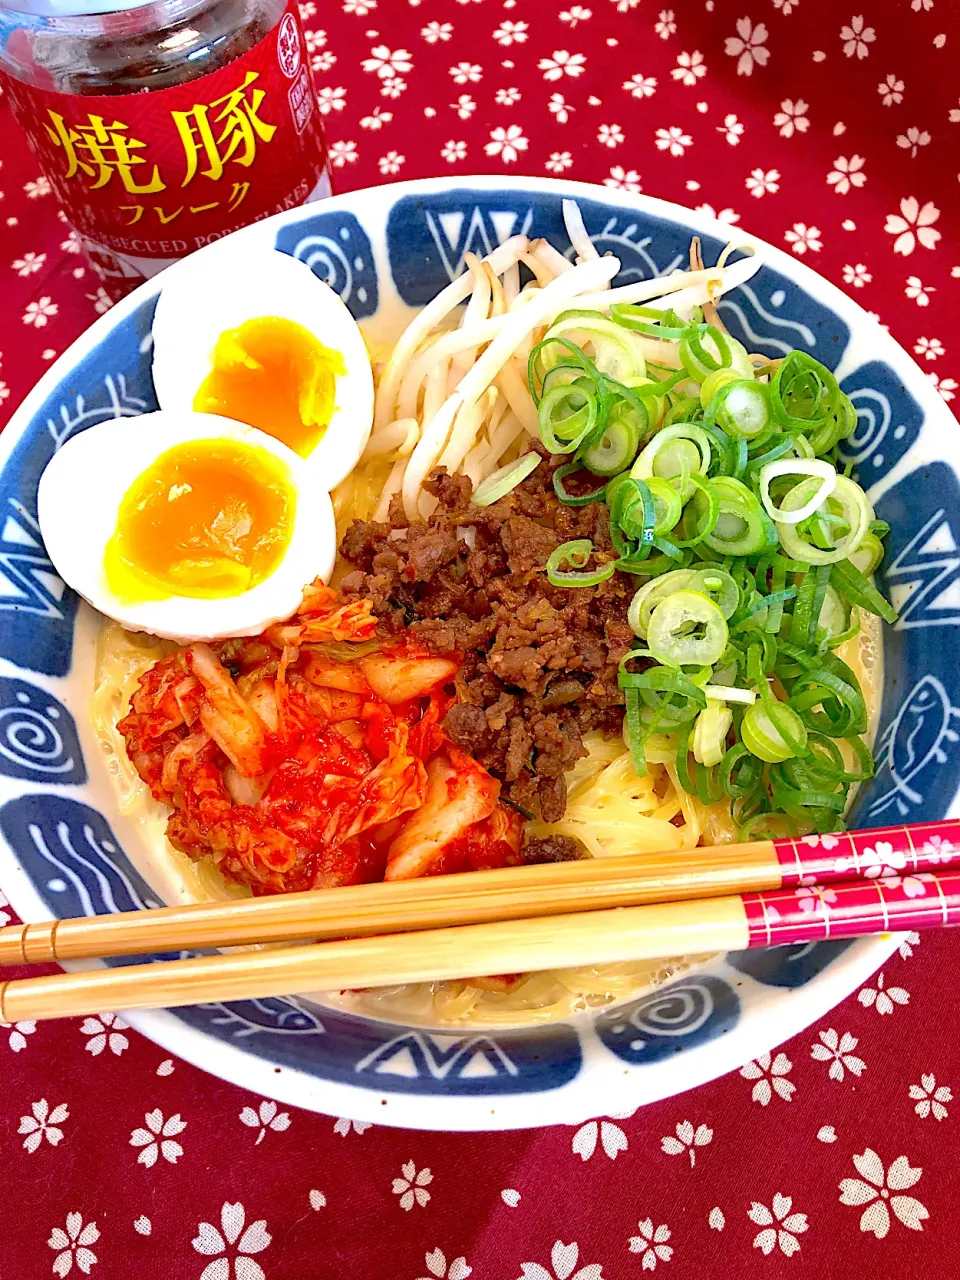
[[592, 937], [477, 897]]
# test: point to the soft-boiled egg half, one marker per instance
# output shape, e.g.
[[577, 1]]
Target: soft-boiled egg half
[[260, 339], [186, 525]]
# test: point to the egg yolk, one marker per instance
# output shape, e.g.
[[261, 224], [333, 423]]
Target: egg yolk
[[273, 374], [210, 518]]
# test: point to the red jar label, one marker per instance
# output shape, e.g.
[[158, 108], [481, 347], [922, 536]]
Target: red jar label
[[148, 177]]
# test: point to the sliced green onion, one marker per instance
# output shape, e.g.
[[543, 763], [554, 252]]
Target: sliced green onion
[[576, 553], [851, 583], [714, 381], [826, 472], [868, 555], [675, 453], [848, 506], [742, 408], [647, 321], [772, 730], [500, 482], [727, 693], [687, 627], [614, 451], [717, 585], [710, 733], [743, 528], [575, 499], [615, 352], [703, 349], [567, 416], [651, 594]]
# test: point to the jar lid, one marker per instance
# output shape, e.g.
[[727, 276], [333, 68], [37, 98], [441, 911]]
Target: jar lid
[[71, 8]]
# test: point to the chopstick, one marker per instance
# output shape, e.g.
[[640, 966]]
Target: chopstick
[[512, 893], [593, 937]]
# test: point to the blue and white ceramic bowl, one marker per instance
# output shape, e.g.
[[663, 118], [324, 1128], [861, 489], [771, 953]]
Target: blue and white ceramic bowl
[[66, 851]]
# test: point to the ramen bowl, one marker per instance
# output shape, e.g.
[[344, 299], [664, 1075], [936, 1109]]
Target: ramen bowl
[[67, 850]]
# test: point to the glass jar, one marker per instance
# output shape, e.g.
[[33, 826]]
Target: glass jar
[[166, 124]]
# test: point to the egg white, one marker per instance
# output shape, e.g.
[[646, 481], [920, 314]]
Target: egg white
[[79, 498], [222, 289]]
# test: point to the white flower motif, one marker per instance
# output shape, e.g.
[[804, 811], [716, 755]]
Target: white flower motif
[[820, 842], [315, 40], [323, 61], [673, 140], [105, 1032], [507, 97], [931, 1098], [412, 1187], [722, 215], [561, 64], [910, 941], [815, 901], [857, 275], [43, 1124], [770, 1078], [640, 86], [342, 153], [506, 143], [624, 6], [387, 62], [435, 32], [307, 10], [558, 162], [610, 135], [623, 179], [360, 7], [101, 300], [464, 106], [929, 348], [231, 1247], [761, 183], [576, 13], [466, 73], [946, 386], [781, 1227], [453, 151], [936, 848], [917, 5], [157, 1138], [846, 174], [392, 87], [748, 46], [38, 313], [913, 140], [563, 1259], [651, 1244], [29, 263], [881, 860], [856, 37], [665, 26], [390, 163], [73, 1244], [690, 67], [954, 115], [918, 291], [511, 33], [39, 187], [913, 223], [786, 7], [331, 99], [436, 1261], [687, 1139], [875, 1193], [883, 999], [838, 1051], [800, 238], [891, 91], [18, 1033], [377, 120], [792, 117], [559, 108], [265, 1117], [732, 129], [4, 395], [612, 1139], [343, 1126]]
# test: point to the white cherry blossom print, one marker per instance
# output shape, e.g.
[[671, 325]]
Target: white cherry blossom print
[[232, 1247], [716, 1219], [624, 179], [157, 1139], [936, 848], [377, 120], [507, 97], [560, 64], [73, 1245], [467, 73], [360, 7], [731, 130], [690, 67], [640, 86], [453, 151], [730, 216], [436, 1261], [101, 300], [913, 225], [105, 1032], [792, 118], [838, 1051], [412, 1186], [17, 1040], [665, 26], [954, 114], [610, 135], [651, 1244], [329, 99], [883, 998], [913, 140], [342, 154], [464, 106], [687, 1140], [558, 162], [877, 1189], [947, 387], [918, 291], [142, 1225], [559, 108], [435, 32], [786, 7], [511, 33], [29, 264], [800, 238], [39, 187], [905, 948], [673, 140], [780, 1226], [881, 859], [770, 1076], [748, 46], [763, 182], [386, 62], [613, 1140], [857, 275], [847, 173], [39, 312], [930, 1098], [563, 1261], [507, 143], [392, 87], [267, 1116], [315, 39], [576, 13], [323, 61], [891, 91], [856, 37], [43, 1124], [390, 163], [826, 1133], [929, 348]]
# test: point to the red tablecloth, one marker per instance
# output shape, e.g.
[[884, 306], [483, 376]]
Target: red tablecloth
[[835, 134]]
